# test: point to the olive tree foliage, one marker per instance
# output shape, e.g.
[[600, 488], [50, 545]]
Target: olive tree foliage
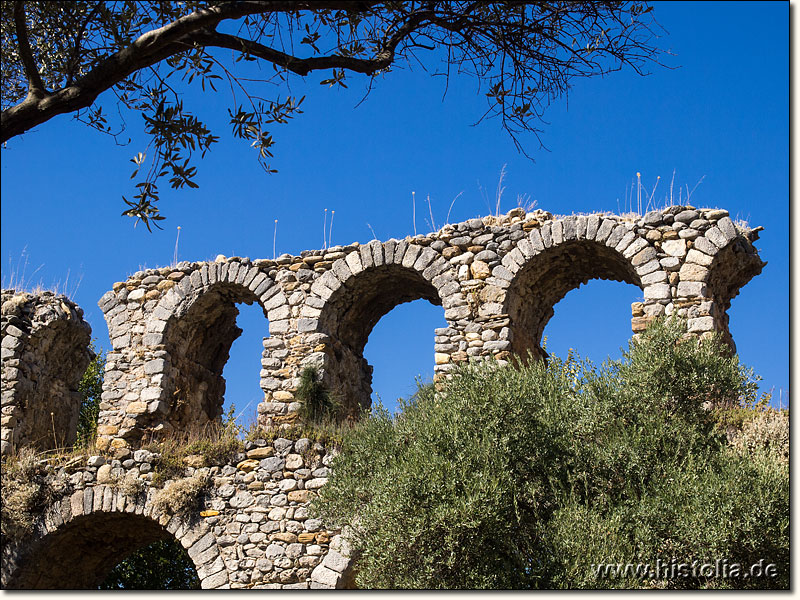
[[532, 476], [94, 58], [91, 390], [163, 565]]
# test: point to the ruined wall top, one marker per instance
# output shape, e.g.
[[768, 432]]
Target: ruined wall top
[[658, 226]]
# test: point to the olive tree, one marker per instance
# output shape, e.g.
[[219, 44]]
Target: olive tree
[[541, 475]]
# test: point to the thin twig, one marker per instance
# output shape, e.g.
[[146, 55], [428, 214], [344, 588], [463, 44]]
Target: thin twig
[[414, 211], [177, 237], [500, 189], [451, 206], [53, 421], [671, 183], [430, 212], [688, 193], [638, 193], [652, 194]]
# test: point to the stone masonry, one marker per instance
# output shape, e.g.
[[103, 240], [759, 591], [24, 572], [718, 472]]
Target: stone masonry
[[171, 329], [253, 529], [45, 353], [496, 278]]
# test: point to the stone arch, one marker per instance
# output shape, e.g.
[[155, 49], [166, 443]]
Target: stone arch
[[560, 256], [83, 536], [718, 265], [189, 335], [45, 354], [361, 288]]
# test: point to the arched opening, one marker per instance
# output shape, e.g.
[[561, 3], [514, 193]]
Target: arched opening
[[548, 277], [82, 553], [594, 320], [400, 351], [198, 343], [349, 317], [242, 371]]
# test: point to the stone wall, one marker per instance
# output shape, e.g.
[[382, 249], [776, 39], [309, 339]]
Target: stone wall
[[496, 279], [252, 529], [45, 353]]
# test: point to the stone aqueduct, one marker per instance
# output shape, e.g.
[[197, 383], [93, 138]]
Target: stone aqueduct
[[171, 330]]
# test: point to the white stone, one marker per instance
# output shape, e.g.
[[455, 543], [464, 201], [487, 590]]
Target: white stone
[[700, 324], [697, 257], [335, 561], [325, 576], [658, 291], [688, 289], [654, 277], [674, 247], [241, 500], [136, 295], [353, 260], [104, 474]]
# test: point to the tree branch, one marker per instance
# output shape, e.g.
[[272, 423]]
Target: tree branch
[[303, 66], [35, 85], [75, 59], [147, 50], [300, 66]]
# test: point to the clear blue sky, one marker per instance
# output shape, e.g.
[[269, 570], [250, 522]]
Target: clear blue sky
[[723, 115]]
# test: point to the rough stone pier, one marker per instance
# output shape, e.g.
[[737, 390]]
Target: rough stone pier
[[45, 351], [171, 329]]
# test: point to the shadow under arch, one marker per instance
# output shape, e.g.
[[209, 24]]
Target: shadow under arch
[[730, 270], [80, 554], [547, 277], [348, 318], [197, 340]]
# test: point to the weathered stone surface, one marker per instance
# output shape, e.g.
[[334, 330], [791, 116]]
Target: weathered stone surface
[[259, 453], [272, 464], [299, 496], [691, 288], [705, 246], [657, 292], [700, 324], [697, 257], [693, 272], [480, 270], [45, 351], [247, 465], [294, 461], [717, 237], [675, 247], [335, 561], [326, 577]]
